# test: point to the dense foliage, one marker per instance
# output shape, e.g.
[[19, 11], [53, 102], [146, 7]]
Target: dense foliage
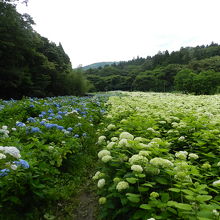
[[160, 157], [31, 65], [46, 149], [190, 70]]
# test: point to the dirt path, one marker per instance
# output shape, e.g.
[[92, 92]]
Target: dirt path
[[87, 206]]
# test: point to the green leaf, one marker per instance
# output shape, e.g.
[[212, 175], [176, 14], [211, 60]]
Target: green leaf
[[145, 206], [174, 189], [135, 198], [161, 180], [164, 197], [183, 206], [203, 198], [189, 192], [132, 180], [143, 189]]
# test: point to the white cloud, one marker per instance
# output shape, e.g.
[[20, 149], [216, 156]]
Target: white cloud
[[113, 30]]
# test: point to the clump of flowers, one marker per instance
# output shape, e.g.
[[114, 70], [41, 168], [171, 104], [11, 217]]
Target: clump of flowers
[[103, 153], [4, 131], [154, 195], [102, 200], [101, 183], [101, 139], [111, 127], [110, 145], [123, 143], [157, 161], [126, 135], [181, 155], [216, 183], [137, 168], [106, 158], [193, 156], [13, 151], [122, 185], [137, 159]]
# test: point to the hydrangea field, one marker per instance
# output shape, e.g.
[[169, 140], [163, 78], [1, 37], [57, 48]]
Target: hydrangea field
[[45, 146], [158, 155]]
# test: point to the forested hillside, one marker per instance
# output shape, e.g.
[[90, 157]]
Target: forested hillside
[[190, 70], [31, 65]]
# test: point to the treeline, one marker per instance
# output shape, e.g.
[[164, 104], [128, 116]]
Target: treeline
[[31, 65], [189, 70]]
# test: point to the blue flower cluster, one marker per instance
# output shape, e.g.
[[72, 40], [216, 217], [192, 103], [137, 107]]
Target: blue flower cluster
[[22, 163]]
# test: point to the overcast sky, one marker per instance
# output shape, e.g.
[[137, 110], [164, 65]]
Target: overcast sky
[[118, 30]]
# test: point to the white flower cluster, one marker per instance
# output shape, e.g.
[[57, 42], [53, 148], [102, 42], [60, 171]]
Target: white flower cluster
[[137, 168], [111, 127], [122, 185], [101, 139], [182, 176], [98, 175], [106, 158], [216, 183], [114, 139], [123, 143], [181, 155], [2, 156], [144, 153], [110, 145], [103, 153], [13, 151], [126, 135], [193, 156], [101, 183], [4, 131], [137, 159], [157, 161]]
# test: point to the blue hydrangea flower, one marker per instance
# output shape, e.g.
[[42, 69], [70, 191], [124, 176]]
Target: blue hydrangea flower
[[20, 124], [4, 172], [58, 117], [35, 129], [22, 163], [69, 129], [31, 106], [84, 134], [31, 119], [76, 136], [60, 127], [49, 118]]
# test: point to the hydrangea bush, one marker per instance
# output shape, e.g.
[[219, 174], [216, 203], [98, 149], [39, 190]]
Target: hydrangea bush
[[163, 157]]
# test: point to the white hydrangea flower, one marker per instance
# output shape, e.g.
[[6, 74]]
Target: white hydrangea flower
[[123, 143], [101, 183], [181, 155], [139, 139], [151, 219], [102, 200], [182, 138], [13, 151], [137, 159], [144, 145], [144, 153], [2, 156], [157, 161], [151, 129], [215, 212], [193, 156], [114, 139], [216, 183], [137, 168], [4, 127], [126, 135], [97, 175], [206, 165], [14, 167], [14, 129], [122, 185], [182, 176], [101, 139], [218, 164], [111, 127], [110, 145], [106, 158], [103, 153]]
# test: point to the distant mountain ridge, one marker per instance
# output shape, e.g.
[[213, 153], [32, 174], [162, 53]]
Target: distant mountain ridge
[[97, 65]]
